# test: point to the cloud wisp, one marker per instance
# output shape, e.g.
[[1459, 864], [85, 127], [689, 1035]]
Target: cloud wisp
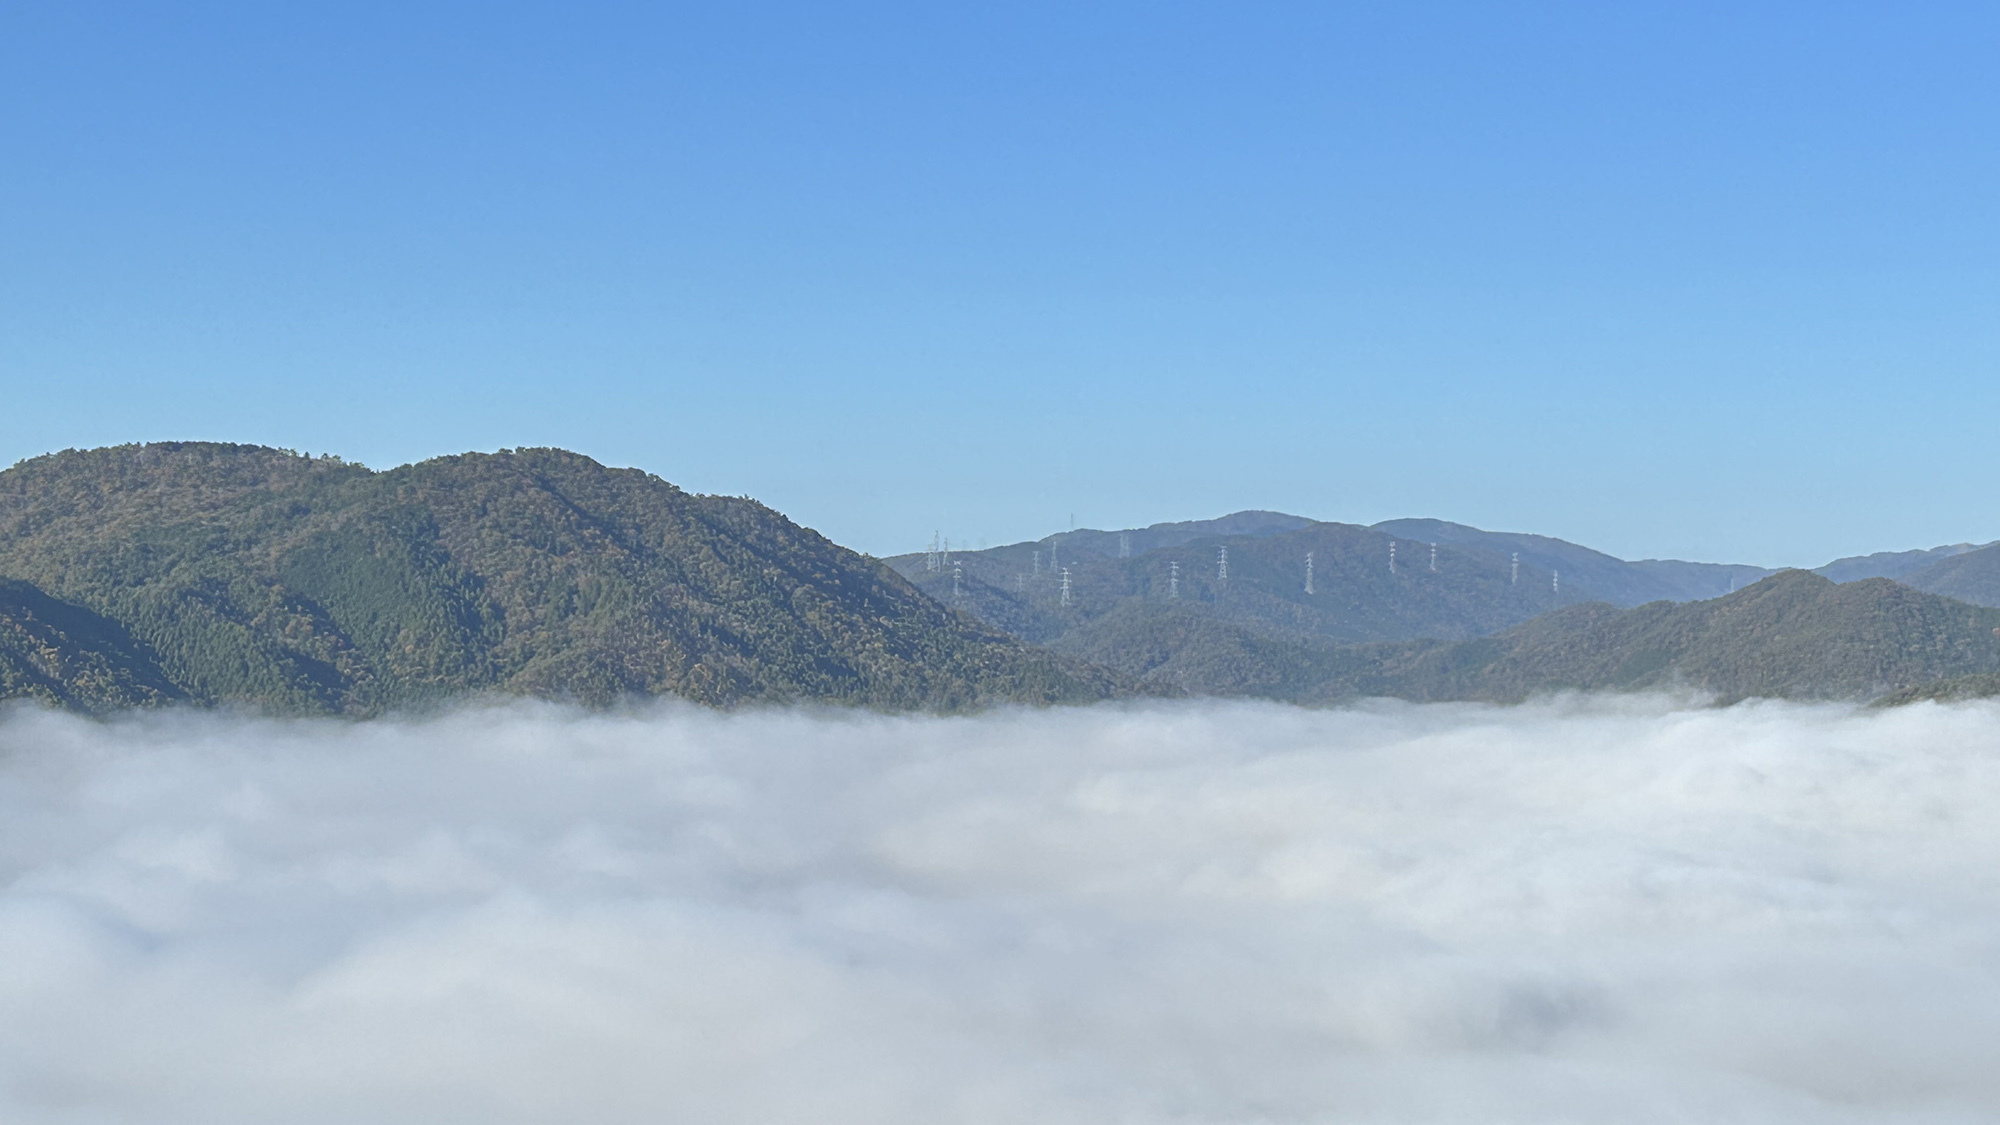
[[1588, 910]]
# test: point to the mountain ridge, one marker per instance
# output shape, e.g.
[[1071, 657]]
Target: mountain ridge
[[212, 573], [257, 576], [1970, 576], [1793, 635]]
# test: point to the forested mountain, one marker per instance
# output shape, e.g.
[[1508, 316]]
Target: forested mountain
[[1367, 585], [68, 656], [1970, 576], [245, 575], [1602, 576], [1080, 543], [1793, 635], [1889, 564], [230, 573], [1260, 631]]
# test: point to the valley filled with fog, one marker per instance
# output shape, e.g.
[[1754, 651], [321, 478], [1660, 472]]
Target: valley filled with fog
[[1633, 909]]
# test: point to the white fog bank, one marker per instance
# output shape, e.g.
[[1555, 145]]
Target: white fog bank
[[1590, 912]]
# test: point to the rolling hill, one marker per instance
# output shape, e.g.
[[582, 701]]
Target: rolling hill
[[230, 574], [1889, 564], [243, 574], [1164, 615], [1970, 576], [1361, 590], [1602, 577], [1794, 635]]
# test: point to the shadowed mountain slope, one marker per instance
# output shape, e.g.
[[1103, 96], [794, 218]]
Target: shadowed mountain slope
[[253, 575], [65, 655]]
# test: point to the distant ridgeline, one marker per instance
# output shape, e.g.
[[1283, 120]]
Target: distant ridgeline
[[230, 574], [238, 575], [1528, 613]]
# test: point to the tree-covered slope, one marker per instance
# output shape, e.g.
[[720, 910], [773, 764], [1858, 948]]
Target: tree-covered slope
[[1079, 543], [1188, 647], [1592, 574], [1970, 576], [307, 584], [1955, 689], [1793, 635], [1261, 630], [1367, 585], [1889, 564], [68, 656], [1168, 615]]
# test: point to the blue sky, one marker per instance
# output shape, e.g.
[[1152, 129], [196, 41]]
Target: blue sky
[[1706, 281]]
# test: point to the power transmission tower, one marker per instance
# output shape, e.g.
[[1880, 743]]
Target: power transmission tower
[[931, 553], [1515, 578], [1124, 545], [1222, 565], [947, 552], [1173, 580], [1309, 572], [1065, 586], [1038, 564], [957, 574], [1556, 582], [1434, 558], [1392, 556]]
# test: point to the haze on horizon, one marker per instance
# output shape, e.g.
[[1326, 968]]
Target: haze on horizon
[[1703, 281]]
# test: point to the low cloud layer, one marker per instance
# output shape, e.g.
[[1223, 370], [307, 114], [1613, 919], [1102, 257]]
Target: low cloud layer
[[1611, 911]]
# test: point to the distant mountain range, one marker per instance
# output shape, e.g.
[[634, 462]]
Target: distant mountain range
[[1795, 635], [209, 574], [1153, 603], [1605, 578], [1970, 576], [1889, 564], [1260, 632]]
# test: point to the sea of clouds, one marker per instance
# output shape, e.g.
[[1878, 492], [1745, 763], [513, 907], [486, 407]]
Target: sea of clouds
[[1628, 910]]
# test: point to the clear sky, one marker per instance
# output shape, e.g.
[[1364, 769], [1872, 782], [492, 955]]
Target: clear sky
[[1708, 281]]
